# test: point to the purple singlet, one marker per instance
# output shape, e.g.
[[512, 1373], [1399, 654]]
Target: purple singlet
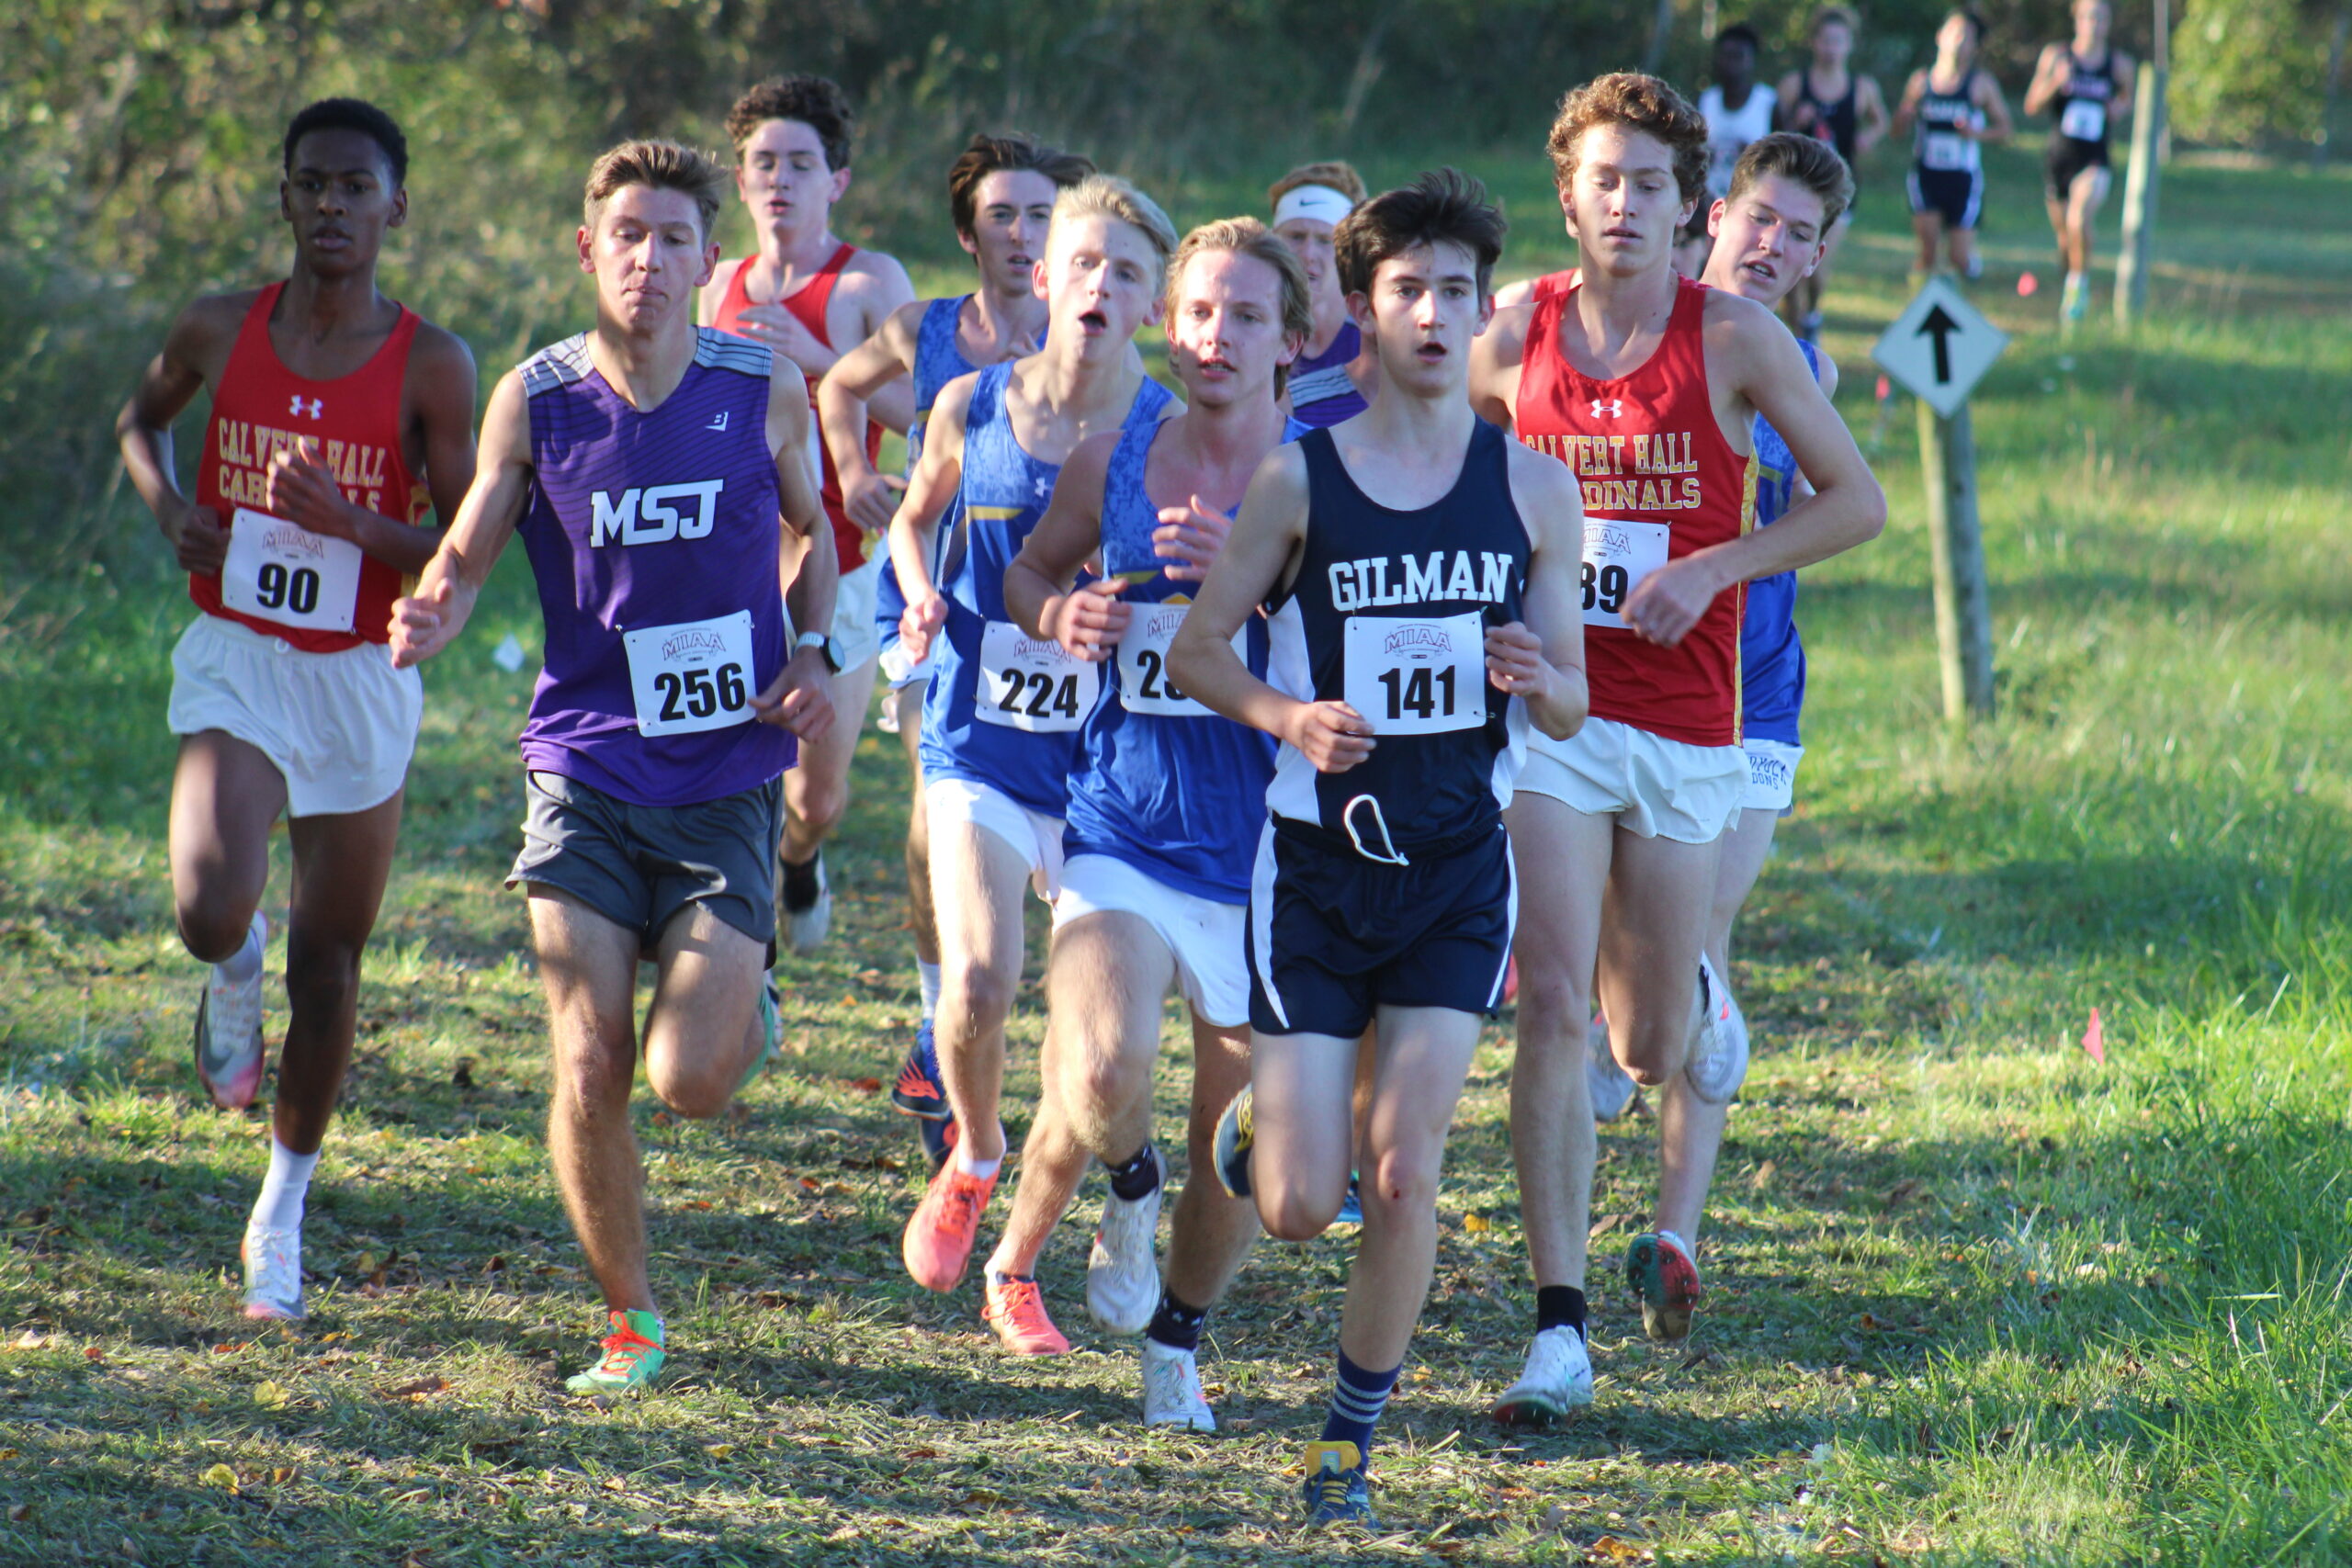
[[653, 537]]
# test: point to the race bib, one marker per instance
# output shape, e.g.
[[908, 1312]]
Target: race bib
[[2085, 121], [1618, 553], [1415, 677], [281, 572], [693, 676], [1033, 683], [1145, 685], [1944, 150]]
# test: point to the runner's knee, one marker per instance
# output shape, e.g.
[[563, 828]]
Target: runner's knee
[[974, 990], [698, 1090], [212, 927]]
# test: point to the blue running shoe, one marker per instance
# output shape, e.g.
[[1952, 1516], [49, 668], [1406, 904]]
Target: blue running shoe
[[938, 1139], [921, 1090], [1351, 1206], [1338, 1491]]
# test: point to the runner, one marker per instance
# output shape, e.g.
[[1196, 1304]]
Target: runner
[[1645, 383], [803, 292], [1000, 724], [645, 463], [1335, 374], [1786, 198], [1416, 565], [2084, 84], [1827, 100], [1953, 110], [1162, 811], [339, 418], [1737, 110], [1001, 194]]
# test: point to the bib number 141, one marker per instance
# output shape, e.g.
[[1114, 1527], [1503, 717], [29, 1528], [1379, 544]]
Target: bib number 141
[[1417, 677]]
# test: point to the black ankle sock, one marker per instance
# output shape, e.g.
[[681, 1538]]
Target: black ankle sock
[[801, 886], [1176, 1325], [1559, 1306], [1138, 1177]]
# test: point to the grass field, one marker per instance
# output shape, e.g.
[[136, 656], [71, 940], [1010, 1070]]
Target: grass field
[[1975, 1297]]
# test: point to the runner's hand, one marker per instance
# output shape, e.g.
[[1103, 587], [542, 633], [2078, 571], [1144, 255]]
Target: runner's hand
[[1191, 534], [1091, 621], [919, 623], [782, 331], [801, 698], [1666, 604], [1333, 736], [1514, 660], [198, 540], [302, 490], [871, 499], [423, 626]]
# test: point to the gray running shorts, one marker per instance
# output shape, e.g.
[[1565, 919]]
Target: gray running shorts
[[639, 865]]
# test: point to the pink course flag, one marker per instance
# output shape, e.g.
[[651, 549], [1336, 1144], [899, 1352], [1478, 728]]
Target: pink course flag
[[2095, 1040]]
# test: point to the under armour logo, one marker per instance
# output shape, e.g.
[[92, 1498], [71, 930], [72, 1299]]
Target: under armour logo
[[719, 420], [1608, 408], [317, 406], [1044, 488]]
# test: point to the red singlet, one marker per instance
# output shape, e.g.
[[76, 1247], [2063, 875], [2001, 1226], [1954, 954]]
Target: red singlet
[[1659, 482], [807, 304], [261, 406]]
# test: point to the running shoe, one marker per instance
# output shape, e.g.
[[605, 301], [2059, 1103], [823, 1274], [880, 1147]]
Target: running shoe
[[632, 1358], [938, 1140], [273, 1260], [1016, 1310], [1172, 1389], [1558, 1379], [2078, 303], [1717, 1064], [805, 928], [1613, 1088], [1233, 1140], [921, 1088], [771, 1033], [229, 1055], [1351, 1206], [1122, 1270], [1338, 1490], [937, 1245], [1659, 1269]]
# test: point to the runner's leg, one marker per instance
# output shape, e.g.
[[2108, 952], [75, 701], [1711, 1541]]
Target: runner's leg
[[1661, 896], [978, 882], [225, 794], [588, 965], [341, 866], [908, 704], [703, 1028], [1213, 1231], [1303, 1134], [816, 792]]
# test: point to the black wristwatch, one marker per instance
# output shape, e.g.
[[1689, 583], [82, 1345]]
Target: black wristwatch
[[826, 648]]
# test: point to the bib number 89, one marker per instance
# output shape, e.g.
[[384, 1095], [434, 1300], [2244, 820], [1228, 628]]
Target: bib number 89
[[695, 694], [278, 588], [1033, 694], [1605, 587]]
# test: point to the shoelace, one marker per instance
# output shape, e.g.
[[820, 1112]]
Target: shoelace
[[1172, 1376], [961, 1203], [1331, 1489], [624, 1348]]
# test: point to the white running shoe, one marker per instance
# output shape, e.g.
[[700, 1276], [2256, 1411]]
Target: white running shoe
[[1612, 1087], [1171, 1390], [805, 929], [1558, 1379], [1718, 1060], [273, 1273], [228, 1056], [1123, 1272]]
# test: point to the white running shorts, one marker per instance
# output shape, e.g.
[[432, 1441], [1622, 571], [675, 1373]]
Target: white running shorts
[[1655, 787], [1034, 836], [1207, 938]]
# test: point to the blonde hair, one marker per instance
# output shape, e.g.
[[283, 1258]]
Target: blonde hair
[[1109, 196], [657, 165], [1248, 237]]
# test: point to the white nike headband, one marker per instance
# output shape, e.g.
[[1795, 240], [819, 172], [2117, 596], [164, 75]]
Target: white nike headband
[[1319, 202]]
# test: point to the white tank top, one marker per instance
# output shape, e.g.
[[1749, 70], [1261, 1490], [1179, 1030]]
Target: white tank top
[[1729, 131]]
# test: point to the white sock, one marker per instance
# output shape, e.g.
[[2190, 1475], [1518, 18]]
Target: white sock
[[983, 1169], [2075, 280], [929, 974], [283, 1190], [243, 967]]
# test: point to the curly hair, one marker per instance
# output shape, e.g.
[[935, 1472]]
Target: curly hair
[[1636, 102], [814, 101]]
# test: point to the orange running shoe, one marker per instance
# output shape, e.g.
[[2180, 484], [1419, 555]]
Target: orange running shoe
[[1016, 1310], [938, 1243]]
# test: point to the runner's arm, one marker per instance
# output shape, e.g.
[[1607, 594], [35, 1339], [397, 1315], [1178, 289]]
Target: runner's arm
[[883, 292], [302, 489], [800, 697], [1496, 356], [1869, 116], [2045, 83], [1912, 91], [1998, 124], [712, 295], [844, 405], [1829, 379], [2127, 79], [1265, 539], [914, 528], [1541, 658], [1038, 592], [200, 540], [429, 620]]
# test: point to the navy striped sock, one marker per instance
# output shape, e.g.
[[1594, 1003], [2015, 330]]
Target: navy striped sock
[[1357, 1400]]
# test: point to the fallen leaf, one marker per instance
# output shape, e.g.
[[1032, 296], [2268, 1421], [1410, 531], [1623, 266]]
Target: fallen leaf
[[1555, 1516], [867, 1086], [1609, 1548], [220, 1476], [20, 1513], [422, 1388], [284, 1474], [1905, 1191], [92, 1353], [271, 1396], [1763, 1176], [719, 1451], [29, 1340], [615, 1483], [1475, 1224]]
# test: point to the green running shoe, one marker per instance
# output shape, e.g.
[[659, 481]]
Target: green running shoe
[[632, 1358]]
